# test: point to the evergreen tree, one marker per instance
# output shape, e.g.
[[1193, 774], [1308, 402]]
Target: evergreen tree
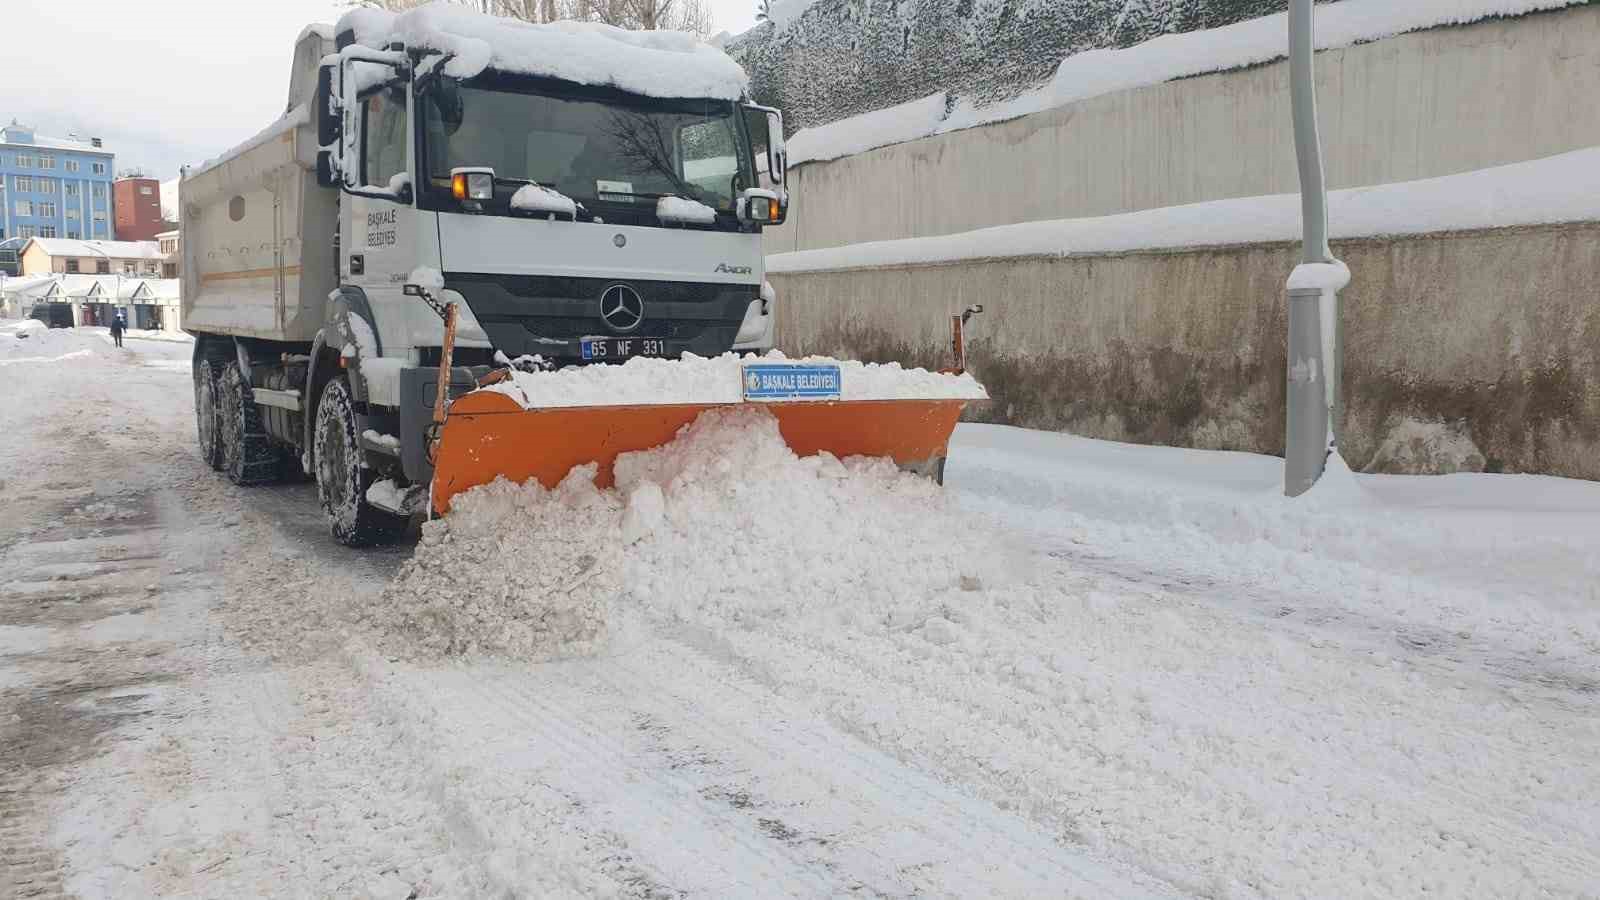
[[1140, 21]]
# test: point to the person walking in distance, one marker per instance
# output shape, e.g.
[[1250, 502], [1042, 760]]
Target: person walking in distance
[[118, 325]]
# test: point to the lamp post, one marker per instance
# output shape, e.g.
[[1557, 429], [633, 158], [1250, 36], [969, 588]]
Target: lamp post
[[1313, 290]]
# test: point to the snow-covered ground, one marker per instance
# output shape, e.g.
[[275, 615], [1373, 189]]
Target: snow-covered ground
[[1081, 669]]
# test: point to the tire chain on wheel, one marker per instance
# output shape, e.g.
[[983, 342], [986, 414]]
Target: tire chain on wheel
[[248, 455], [353, 521], [205, 413]]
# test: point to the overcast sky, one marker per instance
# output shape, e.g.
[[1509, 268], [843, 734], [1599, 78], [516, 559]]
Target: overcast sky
[[168, 82]]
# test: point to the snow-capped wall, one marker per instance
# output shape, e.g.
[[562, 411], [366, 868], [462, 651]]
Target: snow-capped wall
[[830, 59], [1428, 102]]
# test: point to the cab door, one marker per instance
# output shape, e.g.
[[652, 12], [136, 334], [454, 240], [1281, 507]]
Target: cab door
[[383, 234]]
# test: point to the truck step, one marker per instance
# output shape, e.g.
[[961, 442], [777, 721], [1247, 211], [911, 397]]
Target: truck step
[[289, 400]]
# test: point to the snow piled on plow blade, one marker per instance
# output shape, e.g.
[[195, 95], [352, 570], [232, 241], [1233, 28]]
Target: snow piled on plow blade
[[725, 524], [695, 379]]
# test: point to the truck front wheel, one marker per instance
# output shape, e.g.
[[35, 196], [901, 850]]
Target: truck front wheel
[[205, 412], [343, 478]]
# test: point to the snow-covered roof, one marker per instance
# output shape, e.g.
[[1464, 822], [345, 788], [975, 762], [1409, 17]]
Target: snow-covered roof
[[101, 288], [55, 143], [652, 63], [28, 285], [106, 249]]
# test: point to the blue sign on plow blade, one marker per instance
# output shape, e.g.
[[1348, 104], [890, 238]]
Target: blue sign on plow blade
[[788, 381]]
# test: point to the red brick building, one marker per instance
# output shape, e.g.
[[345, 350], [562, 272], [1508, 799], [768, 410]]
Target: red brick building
[[137, 208]]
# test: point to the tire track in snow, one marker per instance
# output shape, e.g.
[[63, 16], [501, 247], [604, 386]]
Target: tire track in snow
[[773, 785], [851, 675], [957, 826], [670, 798]]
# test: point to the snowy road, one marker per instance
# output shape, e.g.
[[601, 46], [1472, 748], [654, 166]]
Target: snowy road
[[1088, 670]]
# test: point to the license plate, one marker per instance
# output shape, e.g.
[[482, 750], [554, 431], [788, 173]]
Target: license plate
[[622, 348], [781, 381]]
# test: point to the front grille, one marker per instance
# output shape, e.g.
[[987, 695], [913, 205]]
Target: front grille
[[523, 313]]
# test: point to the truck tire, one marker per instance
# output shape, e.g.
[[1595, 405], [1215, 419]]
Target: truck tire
[[205, 413], [248, 456], [342, 475]]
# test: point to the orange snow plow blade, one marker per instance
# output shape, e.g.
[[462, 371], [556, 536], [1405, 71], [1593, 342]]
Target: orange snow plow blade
[[488, 435]]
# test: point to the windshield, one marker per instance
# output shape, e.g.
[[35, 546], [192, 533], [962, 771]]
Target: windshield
[[596, 151]]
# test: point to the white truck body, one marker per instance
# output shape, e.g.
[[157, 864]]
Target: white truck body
[[249, 218], [304, 248]]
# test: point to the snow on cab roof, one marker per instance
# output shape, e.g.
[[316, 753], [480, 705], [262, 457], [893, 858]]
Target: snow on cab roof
[[107, 249], [651, 63]]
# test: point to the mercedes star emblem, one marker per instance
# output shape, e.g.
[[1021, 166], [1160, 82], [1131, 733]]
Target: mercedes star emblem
[[621, 308]]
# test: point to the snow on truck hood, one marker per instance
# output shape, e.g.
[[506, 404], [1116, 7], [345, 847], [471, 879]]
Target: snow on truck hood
[[652, 63]]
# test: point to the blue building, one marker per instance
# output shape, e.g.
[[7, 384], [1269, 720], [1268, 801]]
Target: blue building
[[54, 187]]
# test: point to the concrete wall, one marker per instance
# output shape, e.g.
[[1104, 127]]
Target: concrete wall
[[1474, 350], [1431, 103]]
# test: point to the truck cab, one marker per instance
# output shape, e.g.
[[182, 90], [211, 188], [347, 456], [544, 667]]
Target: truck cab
[[573, 212]]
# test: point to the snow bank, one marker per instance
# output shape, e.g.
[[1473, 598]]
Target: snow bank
[[1166, 58], [1563, 188], [515, 570], [724, 524], [29, 341], [695, 379], [652, 63], [26, 329]]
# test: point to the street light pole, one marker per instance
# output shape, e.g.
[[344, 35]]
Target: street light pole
[[1314, 347]]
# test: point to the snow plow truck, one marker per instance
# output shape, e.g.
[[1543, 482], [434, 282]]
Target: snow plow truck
[[453, 199]]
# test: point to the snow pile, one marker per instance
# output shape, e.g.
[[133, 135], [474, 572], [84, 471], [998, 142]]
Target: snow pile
[[678, 209], [536, 198], [29, 341], [515, 570], [727, 527], [695, 379], [725, 524], [25, 329], [1562, 188], [1166, 58], [652, 63]]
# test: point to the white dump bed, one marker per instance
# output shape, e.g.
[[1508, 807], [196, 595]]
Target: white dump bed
[[258, 231]]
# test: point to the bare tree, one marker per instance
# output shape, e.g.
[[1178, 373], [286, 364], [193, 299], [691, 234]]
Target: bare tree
[[693, 16], [526, 10]]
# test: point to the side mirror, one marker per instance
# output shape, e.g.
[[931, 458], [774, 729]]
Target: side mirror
[[760, 206], [777, 154], [327, 106], [765, 127]]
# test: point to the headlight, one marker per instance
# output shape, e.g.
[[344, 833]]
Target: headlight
[[472, 184]]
